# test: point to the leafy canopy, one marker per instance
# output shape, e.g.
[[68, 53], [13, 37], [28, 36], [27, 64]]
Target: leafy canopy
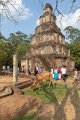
[[19, 42], [72, 33], [16, 43]]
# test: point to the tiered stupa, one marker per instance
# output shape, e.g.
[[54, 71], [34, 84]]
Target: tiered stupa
[[48, 48]]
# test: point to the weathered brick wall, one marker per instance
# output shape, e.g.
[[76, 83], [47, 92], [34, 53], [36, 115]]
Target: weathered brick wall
[[48, 46]]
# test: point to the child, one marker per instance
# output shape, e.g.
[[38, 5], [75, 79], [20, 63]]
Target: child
[[76, 76]]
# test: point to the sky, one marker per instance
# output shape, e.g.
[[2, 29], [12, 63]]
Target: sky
[[31, 10]]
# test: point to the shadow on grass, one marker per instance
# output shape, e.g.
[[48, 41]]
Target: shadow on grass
[[75, 101], [29, 116], [49, 93], [52, 93], [59, 107]]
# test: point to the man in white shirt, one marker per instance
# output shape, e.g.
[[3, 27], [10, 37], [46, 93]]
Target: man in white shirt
[[63, 70]]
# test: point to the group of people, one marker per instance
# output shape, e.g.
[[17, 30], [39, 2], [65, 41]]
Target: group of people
[[37, 70], [59, 73], [7, 69]]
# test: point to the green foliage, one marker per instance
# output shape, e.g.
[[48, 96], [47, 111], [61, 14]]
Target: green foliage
[[22, 49], [4, 52], [28, 116], [75, 51], [48, 95], [16, 43], [2, 37], [18, 39], [19, 42], [72, 33]]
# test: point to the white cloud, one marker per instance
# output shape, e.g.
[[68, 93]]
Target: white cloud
[[69, 20], [37, 22], [16, 9]]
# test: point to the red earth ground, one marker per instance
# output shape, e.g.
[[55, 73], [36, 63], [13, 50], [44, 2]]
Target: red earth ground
[[15, 105]]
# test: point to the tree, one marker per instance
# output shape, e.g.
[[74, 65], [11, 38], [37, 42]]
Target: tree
[[72, 33], [75, 52], [2, 37], [19, 42], [4, 53], [16, 43]]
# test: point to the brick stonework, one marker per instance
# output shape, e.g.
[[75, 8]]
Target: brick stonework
[[48, 47]]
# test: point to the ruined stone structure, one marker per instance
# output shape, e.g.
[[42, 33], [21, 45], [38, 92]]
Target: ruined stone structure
[[48, 46]]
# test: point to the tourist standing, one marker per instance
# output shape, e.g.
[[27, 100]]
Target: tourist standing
[[52, 72], [63, 70], [36, 69], [55, 74], [29, 72], [76, 76], [41, 71], [23, 69], [59, 73], [8, 69], [4, 70]]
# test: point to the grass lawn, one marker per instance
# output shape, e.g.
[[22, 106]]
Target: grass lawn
[[48, 94], [54, 94], [71, 77], [28, 116]]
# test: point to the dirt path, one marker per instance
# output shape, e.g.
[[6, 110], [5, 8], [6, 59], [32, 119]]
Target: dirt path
[[8, 80], [16, 105]]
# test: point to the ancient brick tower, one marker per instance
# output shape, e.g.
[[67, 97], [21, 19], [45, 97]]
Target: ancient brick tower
[[48, 46]]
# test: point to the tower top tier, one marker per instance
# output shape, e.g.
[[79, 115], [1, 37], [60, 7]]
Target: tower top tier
[[48, 8], [47, 21], [48, 15]]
